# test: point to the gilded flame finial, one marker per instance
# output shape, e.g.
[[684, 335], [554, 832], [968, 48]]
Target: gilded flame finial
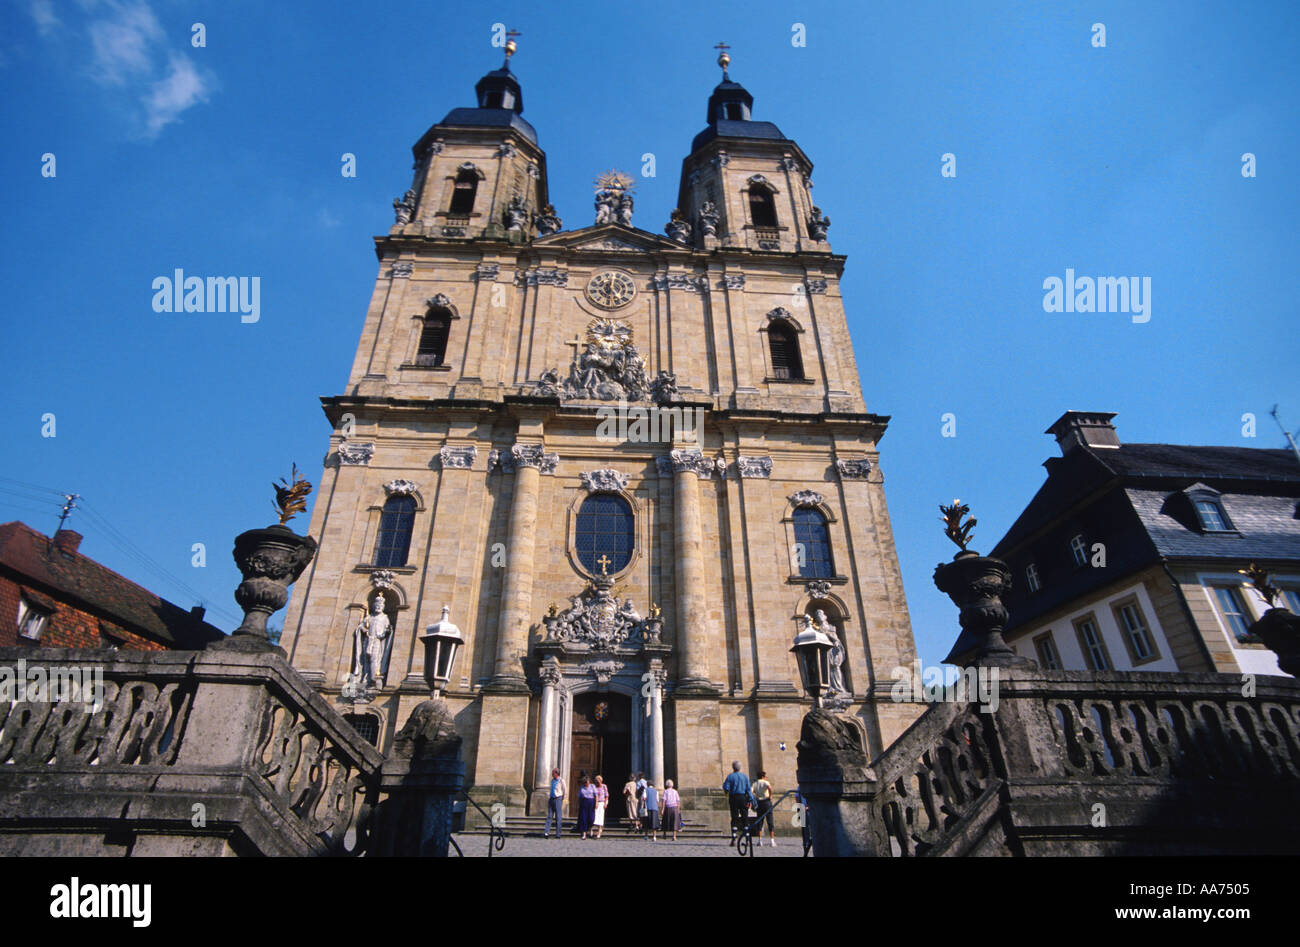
[[954, 528], [1259, 579], [723, 59], [511, 45], [291, 497]]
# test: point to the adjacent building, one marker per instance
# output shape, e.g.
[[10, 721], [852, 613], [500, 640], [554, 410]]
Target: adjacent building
[[628, 462], [53, 596], [1127, 558]]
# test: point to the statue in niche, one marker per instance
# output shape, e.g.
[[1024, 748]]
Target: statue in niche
[[835, 660], [372, 644]]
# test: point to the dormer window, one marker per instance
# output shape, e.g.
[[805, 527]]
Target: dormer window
[[1079, 550], [31, 619], [1031, 578], [1211, 516]]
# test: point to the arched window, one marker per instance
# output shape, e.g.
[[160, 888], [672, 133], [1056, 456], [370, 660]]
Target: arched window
[[762, 209], [814, 543], [604, 536], [433, 338], [462, 194], [786, 362], [395, 526]]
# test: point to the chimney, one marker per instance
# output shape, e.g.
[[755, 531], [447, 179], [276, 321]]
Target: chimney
[[67, 541], [197, 612], [1084, 428]]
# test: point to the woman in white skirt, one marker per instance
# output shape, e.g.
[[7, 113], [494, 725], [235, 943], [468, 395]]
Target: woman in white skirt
[[602, 801]]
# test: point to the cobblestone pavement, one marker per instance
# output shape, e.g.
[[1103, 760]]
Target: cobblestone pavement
[[534, 846]]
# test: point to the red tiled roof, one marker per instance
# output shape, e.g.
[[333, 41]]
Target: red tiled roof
[[33, 557]]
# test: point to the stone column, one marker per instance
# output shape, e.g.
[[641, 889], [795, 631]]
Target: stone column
[[688, 467], [546, 756], [517, 594], [659, 677]]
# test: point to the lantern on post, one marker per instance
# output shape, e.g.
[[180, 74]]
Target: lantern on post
[[812, 648], [441, 641]]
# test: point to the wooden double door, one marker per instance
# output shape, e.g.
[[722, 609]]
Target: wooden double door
[[601, 745]]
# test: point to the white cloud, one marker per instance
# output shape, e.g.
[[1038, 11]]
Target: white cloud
[[43, 13], [133, 56], [181, 88], [120, 43]]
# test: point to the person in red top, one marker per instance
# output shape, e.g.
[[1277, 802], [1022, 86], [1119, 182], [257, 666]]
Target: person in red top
[[672, 803]]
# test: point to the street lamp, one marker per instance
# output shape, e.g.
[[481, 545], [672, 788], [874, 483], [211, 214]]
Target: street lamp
[[441, 641], [812, 649]]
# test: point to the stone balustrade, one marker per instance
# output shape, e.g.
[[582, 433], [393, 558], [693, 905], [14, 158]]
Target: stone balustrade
[[191, 753], [1068, 762]]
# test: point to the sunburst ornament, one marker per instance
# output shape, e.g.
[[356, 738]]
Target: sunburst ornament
[[615, 180], [608, 334]]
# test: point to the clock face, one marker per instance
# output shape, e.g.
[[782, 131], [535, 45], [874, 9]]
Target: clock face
[[611, 289]]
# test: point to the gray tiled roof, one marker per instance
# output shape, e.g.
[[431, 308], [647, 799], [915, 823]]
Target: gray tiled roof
[[1265, 527]]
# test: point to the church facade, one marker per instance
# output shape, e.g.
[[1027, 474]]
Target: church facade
[[630, 464]]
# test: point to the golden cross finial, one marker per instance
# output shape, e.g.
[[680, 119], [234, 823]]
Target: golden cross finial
[[723, 59], [511, 45], [604, 563]]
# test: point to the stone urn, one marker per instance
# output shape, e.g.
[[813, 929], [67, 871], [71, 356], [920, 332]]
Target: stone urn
[[270, 560], [976, 585], [1279, 629]]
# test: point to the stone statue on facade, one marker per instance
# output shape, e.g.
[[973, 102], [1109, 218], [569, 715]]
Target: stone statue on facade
[[664, 388], [678, 228], [404, 207], [372, 643], [835, 660], [547, 223], [624, 211], [606, 206], [818, 224], [709, 219], [516, 214]]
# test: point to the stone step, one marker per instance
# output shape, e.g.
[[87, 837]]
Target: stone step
[[535, 825]]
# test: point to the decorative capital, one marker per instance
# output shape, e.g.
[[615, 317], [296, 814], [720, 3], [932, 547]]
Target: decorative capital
[[550, 675], [734, 281], [853, 469], [817, 287], [534, 455], [606, 480], [681, 460], [548, 276], [487, 272], [355, 455], [807, 498], [507, 150], [754, 467], [401, 488], [401, 270], [457, 458], [788, 163]]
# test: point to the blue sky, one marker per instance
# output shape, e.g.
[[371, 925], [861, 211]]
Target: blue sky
[[1123, 160]]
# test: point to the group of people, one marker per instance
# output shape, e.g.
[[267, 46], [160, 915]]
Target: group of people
[[742, 796], [649, 810]]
